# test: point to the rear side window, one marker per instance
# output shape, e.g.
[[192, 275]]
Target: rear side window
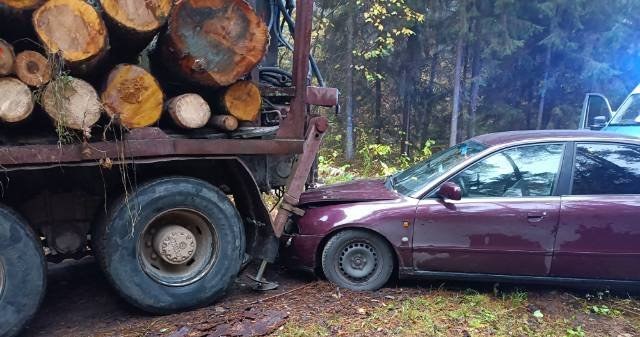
[[606, 169]]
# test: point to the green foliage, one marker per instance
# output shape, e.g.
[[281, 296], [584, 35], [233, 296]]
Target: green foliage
[[404, 61], [372, 160], [517, 298], [388, 21], [604, 310], [575, 332]]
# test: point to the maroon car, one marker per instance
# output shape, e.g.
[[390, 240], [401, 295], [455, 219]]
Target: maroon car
[[514, 206]]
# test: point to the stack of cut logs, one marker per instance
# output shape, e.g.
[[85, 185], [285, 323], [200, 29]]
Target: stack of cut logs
[[85, 62]]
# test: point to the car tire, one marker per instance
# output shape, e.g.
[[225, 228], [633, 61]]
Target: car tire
[[357, 260], [183, 251], [23, 272]]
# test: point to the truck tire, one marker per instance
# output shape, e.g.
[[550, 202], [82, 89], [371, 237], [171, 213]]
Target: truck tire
[[174, 244], [23, 273]]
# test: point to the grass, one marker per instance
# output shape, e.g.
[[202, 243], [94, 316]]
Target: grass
[[472, 313]]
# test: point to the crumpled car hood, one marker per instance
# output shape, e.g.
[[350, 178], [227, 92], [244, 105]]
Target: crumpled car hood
[[356, 191]]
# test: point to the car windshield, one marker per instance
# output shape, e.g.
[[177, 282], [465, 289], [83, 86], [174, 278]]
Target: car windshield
[[628, 113], [416, 177]]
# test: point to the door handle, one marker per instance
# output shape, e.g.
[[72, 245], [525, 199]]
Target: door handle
[[536, 216]]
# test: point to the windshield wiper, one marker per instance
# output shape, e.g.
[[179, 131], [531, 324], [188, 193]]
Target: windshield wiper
[[392, 181]]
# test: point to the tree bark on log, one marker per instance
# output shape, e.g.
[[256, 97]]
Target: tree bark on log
[[133, 23], [241, 100], [16, 101], [132, 97], [32, 68], [224, 122], [75, 30], [72, 103], [189, 111], [7, 58], [214, 42]]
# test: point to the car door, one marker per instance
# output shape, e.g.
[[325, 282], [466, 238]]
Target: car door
[[505, 222], [599, 231]]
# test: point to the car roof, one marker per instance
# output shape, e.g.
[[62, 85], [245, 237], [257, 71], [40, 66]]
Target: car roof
[[502, 138]]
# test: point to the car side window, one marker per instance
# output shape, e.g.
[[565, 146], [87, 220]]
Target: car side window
[[602, 168], [522, 171]]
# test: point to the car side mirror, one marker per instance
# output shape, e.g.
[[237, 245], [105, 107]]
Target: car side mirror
[[450, 191], [598, 122]]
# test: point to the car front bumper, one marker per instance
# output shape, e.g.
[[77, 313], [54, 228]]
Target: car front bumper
[[300, 251]]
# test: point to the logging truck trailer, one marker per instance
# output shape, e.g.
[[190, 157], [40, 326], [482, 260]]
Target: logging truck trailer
[[170, 218]]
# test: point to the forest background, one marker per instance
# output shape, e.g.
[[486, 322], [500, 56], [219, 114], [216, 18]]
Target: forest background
[[418, 75]]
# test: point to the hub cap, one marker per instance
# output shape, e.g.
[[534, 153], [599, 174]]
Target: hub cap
[[175, 244], [358, 261], [178, 247]]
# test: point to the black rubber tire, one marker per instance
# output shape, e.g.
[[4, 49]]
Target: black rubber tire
[[334, 247], [25, 278], [116, 245]]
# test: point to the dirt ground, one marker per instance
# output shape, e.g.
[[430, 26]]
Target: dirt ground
[[79, 302]]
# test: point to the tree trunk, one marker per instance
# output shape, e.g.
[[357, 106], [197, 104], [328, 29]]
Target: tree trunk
[[72, 103], [189, 111], [16, 101], [414, 52], [32, 68], [457, 79], [476, 67], [543, 89], [224, 122], [214, 42], [241, 100], [132, 97], [462, 119], [133, 23], [404, 135], [7, 58], [424, 117], [378, 107], [349, 137], [75, 30]]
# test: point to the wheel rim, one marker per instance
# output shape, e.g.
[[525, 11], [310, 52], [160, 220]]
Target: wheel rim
[[2, 278], [178, 247], [358, 261]]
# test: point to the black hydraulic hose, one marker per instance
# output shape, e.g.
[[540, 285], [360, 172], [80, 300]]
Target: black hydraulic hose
[[285, 10]]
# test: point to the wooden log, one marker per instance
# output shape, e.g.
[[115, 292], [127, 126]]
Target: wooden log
[[16, 100], [189, 111], [7, 58], [75, 30], [214, 42], [224, 122], [72, 103], [32, 68], [133, 23], [15, 19], [21, 5], [132, 96], [242, 100]]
